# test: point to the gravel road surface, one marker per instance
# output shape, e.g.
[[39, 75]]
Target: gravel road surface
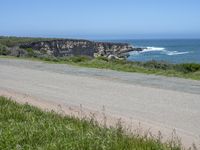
[[161, 102]]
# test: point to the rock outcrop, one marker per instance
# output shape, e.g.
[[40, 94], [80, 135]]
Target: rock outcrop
[[69, 47]]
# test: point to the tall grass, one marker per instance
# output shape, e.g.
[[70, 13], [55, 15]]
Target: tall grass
[[27, 127]]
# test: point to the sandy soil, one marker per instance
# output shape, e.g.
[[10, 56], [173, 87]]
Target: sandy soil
[[144, 102]]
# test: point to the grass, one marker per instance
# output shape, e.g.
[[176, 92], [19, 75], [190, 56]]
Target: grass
[[27, 127], [11, 41], [189, 71]]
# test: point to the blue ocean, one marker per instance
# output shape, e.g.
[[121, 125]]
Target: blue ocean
[[172, 51]]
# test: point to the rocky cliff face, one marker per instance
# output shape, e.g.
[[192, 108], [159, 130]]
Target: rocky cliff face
[[60, 48]]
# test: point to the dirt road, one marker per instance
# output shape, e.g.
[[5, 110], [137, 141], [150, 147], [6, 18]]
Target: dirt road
[[160, 103]]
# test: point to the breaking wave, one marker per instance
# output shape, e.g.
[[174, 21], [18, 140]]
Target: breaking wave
[[162, 50], [171, 53], [150, 49]]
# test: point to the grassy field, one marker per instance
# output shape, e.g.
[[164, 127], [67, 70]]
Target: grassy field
[[27, 127]]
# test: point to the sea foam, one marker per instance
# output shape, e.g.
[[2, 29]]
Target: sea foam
[[150, 49], [162, 50], [171, 53]]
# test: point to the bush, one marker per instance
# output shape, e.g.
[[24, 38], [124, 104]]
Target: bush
[[157, 65], [187, 68], [102, 58], [77, 59], [31, 52], [4, 50], [121, 62], [47, 58]]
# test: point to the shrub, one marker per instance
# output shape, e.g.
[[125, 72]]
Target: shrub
[[187, 68], [77, 59], [31, 52], [157, 65], [48, 58], [4, 50], [102, 58], [118, 61]]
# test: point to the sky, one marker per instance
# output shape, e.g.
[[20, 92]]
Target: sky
[[101, 19]]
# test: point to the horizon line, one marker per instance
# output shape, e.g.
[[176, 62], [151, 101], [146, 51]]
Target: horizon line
[[106, 38]]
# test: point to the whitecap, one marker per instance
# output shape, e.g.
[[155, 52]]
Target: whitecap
[[171, 53], [162, 50], [150, 49]]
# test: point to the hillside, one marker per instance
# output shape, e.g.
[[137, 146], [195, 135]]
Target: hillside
[[27, 127]]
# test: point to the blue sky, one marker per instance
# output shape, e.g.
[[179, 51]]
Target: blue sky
[[101, 18]]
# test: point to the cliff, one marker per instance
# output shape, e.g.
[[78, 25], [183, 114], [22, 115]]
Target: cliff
[[69, 47]]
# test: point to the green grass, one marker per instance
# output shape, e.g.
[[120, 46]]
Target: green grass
[[189, 71], [27, 127], [11, 41]]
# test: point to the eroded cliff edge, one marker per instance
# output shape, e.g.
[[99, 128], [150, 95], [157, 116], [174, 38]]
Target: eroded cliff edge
[[71, 47]]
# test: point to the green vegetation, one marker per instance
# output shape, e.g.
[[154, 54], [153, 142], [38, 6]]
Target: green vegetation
[[3, 50], [27, 127], [30, 52], [13, 41], [191, 71]]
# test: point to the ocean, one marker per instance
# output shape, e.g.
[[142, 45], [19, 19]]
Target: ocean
[[172, 51]]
